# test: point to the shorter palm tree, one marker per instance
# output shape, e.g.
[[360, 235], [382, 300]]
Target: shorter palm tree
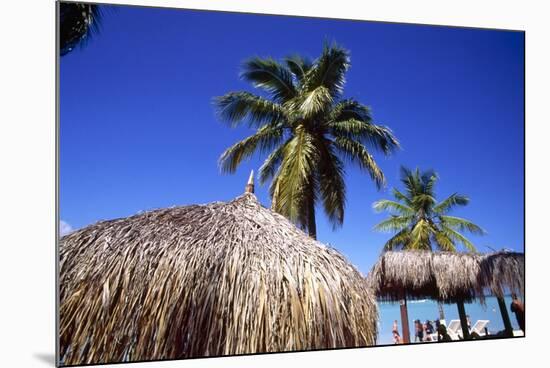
[[419, 221]]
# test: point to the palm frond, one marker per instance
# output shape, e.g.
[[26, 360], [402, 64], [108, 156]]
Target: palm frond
[[420, 235], [299, 66], [357, 153], [402, 197], [272, 164], [78, 22], [263, 140], [305, 205], [332, 187], [410, 181], [399, 240], [329, 70], [315, 102], [295, 174], [453, 200], [423, 201], [394, 224], [270, 76], [350, 109], [419, 186], [235, 107], [428, 179], [458, 237], [388, 205], [444, 242], [461, 224], [377, 137]]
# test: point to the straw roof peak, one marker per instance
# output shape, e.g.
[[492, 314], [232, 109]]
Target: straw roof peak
[[250, 184]]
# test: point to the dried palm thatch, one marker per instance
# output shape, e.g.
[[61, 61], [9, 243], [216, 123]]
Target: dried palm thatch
[[448, 277], [206, 280], [502, 272]]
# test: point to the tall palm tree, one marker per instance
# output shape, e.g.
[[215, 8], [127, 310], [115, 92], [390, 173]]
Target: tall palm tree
[[77, 23], [307, 130], [419, 221]]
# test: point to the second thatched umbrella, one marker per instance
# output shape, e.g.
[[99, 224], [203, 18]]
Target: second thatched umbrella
[[206, 280], [448, 277]]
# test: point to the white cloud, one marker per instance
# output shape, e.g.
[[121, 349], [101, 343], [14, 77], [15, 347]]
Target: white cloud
[[64, 228]]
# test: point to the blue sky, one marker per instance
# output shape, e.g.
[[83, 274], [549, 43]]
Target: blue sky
[[138, 130]]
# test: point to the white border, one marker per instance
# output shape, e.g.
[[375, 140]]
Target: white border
[[27, 180]]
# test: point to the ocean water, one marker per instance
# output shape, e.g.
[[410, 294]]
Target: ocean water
[[428, 310]]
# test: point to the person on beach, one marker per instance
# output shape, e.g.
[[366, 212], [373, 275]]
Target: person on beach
[[418, 331], [429, 330], [468, 322], [397, 338], [395, 327], [518, 309], [437, 324], [442, 334]]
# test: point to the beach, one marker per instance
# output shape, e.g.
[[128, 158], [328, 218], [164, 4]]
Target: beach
[[427, 309]]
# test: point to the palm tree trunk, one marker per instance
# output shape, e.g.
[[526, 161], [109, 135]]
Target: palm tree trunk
[[441, 311], [509, 331], [311, 226], [463, 320], [404, 318]]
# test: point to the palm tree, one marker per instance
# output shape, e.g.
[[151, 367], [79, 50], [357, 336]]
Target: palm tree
[[307, 130], [419, 221], [77, 23]]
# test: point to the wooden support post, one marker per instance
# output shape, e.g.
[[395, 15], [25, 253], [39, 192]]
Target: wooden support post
[[463, 320], [441, 311], [508, 330], [404, 318]]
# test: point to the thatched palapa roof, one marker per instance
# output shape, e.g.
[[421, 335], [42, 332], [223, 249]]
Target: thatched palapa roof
[[502, 271], [206, 280], [446, 276]]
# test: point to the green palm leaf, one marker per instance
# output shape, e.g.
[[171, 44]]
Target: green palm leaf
[[329, 70], [420, 235], [395, 224], [392, 206], [235, 107], [332, 186], [402, 197], [444, 242], [355, 152], [299, 66], [78, 23], [400, 240], [456, 236], [461, 224], [453, 200], [350, 109], [270, 76], [296, 173], [272, 163], [315, 102], [265, 139], [375, 136]]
